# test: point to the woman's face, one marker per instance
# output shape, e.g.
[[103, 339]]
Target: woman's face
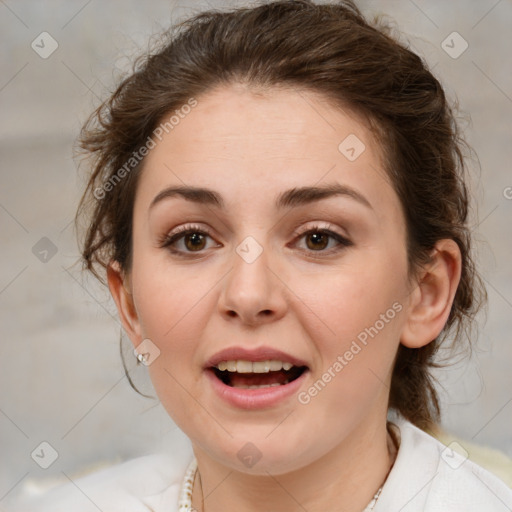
[[296, 254]]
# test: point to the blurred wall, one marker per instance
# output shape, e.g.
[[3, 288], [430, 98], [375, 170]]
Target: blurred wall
[[61, 379]]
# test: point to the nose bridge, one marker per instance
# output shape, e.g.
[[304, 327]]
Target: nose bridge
[[251, 290]]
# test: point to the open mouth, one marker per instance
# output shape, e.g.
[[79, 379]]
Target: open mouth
[[263, 374]]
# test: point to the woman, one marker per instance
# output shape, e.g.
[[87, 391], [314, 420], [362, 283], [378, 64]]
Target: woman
[[278, 205]]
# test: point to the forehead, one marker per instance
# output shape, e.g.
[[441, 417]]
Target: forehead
[[280, 117], [237, 139]]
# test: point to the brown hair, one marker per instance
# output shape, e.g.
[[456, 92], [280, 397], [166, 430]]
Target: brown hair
[[328, 49]]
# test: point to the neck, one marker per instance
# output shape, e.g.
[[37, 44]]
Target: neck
[[349, 475]]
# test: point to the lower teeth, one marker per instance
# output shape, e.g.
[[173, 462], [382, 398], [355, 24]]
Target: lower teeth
[[262, 386]]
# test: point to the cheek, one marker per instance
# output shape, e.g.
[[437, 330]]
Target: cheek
[[355, 298], [173, 311], [174, 305], [359, 316], [167, 296]]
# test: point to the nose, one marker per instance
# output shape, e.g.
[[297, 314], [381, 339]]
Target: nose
[[253, 293]]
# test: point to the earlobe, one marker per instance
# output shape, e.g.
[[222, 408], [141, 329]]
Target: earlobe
[[120, 290], [431, 302]]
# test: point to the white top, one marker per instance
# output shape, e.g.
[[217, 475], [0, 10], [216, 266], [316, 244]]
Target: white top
[[426, 477]]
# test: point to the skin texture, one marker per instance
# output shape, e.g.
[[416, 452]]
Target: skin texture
[[298, 297]]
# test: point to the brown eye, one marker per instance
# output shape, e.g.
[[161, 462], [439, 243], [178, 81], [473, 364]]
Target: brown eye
[[188, 240], [194, 241], [317, 240], [323, 241]]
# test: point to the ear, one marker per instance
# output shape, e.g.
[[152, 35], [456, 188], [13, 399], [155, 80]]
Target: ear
[[431, 301], [120, 289]]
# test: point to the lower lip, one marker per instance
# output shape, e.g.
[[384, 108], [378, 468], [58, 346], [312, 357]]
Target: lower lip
[[257, 398]]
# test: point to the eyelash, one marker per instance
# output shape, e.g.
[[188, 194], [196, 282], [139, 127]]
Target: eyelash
[[169, 239]]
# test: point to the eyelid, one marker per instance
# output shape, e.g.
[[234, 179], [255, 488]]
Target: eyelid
[[188, 227], [317, 225]]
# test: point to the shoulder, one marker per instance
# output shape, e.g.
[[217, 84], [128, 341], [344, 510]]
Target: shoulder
[[431, 477], [145, 483], [489, 458]]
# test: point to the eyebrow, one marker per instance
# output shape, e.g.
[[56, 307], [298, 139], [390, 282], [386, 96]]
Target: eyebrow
[[298, 196]]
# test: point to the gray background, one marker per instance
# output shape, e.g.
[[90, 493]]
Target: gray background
[[61, 379]]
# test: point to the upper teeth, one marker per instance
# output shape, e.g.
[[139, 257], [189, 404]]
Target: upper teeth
[[242, 366]]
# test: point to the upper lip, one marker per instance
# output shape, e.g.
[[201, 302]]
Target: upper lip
[[253, 355]]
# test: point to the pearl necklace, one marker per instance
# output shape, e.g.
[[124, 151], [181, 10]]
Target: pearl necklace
[[185, 501]]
